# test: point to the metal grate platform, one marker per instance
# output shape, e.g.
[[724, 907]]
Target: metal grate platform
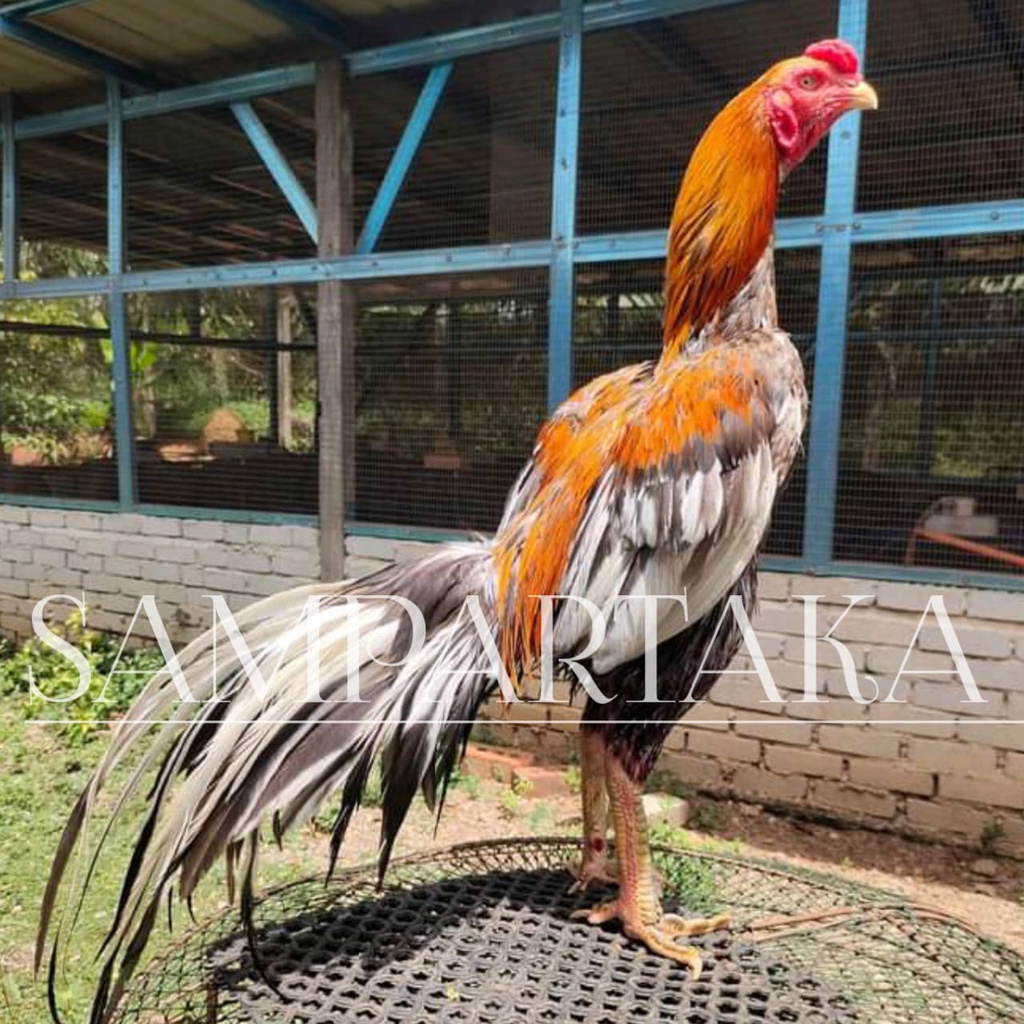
[[481, 933]]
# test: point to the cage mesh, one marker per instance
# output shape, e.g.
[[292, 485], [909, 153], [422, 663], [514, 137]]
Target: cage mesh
[[224, 399], [931, 404], [199, 193], [483, 933], [451, 387], [930, 460], [451, 372], [62, 185], [56, 401], [483, 171], [951, 82], [651, 89]]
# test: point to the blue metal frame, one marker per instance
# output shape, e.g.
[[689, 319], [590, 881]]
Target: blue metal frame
[[277, 165], [539, 28], [833, 302], [404, 155], [9, 223], [562, 298], [171, 101], [791, 233], [117, 313], [834, 232]]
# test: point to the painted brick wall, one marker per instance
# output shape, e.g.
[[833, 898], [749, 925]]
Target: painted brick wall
[[115, 559], [890, 766], [901, 767]]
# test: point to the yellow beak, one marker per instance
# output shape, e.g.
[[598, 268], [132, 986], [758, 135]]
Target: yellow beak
[[863, 97]]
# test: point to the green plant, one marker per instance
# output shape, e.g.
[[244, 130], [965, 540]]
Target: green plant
[[468, 784], [991, 833], [707, 817], [691, 879], [116, 677], [540, 818], [510, 804], [574, 779]]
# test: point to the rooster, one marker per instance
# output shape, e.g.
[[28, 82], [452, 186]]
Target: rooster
[[657, 479]]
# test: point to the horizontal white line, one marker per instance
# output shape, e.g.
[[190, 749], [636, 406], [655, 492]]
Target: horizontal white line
[[535, 722]]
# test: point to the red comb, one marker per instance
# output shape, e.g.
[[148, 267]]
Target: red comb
[[841, 55]]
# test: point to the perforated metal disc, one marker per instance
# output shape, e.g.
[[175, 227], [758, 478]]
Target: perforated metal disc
[[482, 933]]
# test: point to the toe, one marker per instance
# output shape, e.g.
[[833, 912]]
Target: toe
[[681, 927], [601, 914], [661, 943]]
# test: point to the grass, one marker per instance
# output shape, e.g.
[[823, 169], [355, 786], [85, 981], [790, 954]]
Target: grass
[[41, 775]]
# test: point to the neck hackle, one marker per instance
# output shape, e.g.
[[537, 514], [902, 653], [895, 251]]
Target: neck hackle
[[723, 218]]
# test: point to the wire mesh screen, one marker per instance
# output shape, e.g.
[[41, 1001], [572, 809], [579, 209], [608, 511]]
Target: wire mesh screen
[[199, 193], [483, 171], [224, 399], [485, 932], [952, 85], [618, 321], [56, 400], [62, 183], [932, 456], [651, 89], [451, 388]]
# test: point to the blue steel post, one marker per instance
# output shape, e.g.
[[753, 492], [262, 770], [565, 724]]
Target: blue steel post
[[10, 193], [117, 314], [562, 303], [404, 155], [833, 301]]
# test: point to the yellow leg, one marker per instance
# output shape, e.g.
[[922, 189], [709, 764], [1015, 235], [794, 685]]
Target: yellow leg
[[638, 906], [595, 864]]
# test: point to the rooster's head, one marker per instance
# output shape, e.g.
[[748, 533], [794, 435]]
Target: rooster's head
[[806, 95]]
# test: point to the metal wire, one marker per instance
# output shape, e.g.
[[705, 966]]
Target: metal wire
[[56, 406], [450, 383], [451, 387], [224, 399], [482, 932]]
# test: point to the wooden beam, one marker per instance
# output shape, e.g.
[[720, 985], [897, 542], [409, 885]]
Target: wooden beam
[[336, 315]]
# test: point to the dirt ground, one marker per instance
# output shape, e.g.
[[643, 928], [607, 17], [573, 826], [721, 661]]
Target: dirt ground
[[986, 892]]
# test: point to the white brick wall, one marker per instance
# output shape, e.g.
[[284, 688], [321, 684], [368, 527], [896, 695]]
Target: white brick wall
[[901, 766], [115, 559]]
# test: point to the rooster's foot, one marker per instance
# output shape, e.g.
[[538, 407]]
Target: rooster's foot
[[659, 936], [593, 869]]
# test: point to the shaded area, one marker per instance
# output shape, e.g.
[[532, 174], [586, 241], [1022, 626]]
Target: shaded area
[[482, 933]]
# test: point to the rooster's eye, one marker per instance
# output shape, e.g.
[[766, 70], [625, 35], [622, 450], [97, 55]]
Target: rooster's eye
[[808, 81]]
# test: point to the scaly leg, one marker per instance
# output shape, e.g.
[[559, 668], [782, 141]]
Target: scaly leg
[[638, 906], [595, 865]]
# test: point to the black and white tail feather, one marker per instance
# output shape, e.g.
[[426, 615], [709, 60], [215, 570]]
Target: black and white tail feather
[[234, 758]]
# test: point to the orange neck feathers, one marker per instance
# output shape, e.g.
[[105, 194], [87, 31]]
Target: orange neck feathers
[[723, 218]]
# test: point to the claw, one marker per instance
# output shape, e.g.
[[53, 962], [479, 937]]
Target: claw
[[682, 928], [593, 869], [659, 936], [601, 914]]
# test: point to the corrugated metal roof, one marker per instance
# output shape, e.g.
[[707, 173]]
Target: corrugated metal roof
[[168, 36], [23, 70], [189, 40]]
